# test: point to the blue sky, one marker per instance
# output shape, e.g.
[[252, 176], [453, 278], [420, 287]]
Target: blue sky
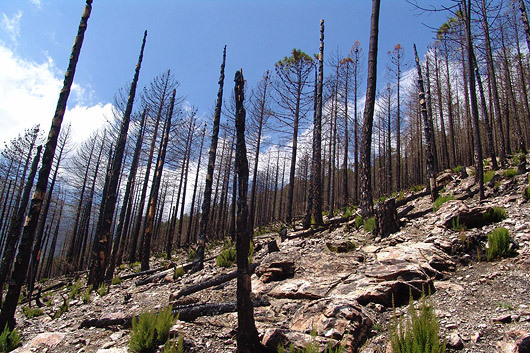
[[185, 36]]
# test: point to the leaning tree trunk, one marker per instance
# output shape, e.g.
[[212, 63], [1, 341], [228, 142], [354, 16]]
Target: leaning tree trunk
[[198, 263], [429, 157], [22, 262], [247, 334], [104, 229], [367, 206], [146, 248], [316, 182]]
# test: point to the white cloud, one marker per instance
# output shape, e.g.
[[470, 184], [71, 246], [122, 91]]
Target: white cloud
[[37, 3], [29, 93], [12, 25]]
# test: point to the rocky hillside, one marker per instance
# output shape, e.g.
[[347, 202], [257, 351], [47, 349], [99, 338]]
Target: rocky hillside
[[338, 283]]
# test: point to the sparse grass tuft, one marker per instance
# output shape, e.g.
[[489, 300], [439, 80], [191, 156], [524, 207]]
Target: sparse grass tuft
[[526, 193], [488, 176], [226, 258], [498, 243], [103, 290], [179, 272], [440, 201], [75, 289], [457, 169], [116, 280], [31, 312], [456, 225], [358, 222], [369, 225], [420, 331], [191, 255], [510, 173], [416, 188], [86, 295], [494, 214]]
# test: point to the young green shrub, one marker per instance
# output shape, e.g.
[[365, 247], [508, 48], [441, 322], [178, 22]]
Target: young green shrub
[[226, 258], [416, 188], [103, 289], [488, 175], [31, 312], [457, 226], [440, 201], [498, 243], [526, 193], [369, 225], [457, 169], [179, 272], [62, 309], [191, 255], [420, 331], [116, 280], [86, 295], [121, 267], [172, 347], [9, 340], [358, 222], [75, 289], [150, 330], [494, 214], [510, 173]]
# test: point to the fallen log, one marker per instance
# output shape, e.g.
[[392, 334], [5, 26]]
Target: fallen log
[[404, 212], [194, 311], [185, 313], [413, 197], [47, 289], [209, 283], [154, 277], [147, 272]]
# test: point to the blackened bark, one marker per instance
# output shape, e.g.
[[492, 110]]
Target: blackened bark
[[256, 158], [16, 226], [316, 182], [199, 258], [126, 209], [429, 157], [146, 248], [99, 259], [247, 334], [192, 209], [524, 18], [183, 203], [367, 206]]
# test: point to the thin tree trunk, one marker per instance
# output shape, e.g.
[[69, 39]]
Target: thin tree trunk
[[317, 136], [192, 208], [198, 263], [473, 100], [146, 248], [103, 235], [427, 130], [247, 335], [367, 206]]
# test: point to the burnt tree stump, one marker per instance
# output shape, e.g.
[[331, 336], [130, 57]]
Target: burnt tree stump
[[386, 219]]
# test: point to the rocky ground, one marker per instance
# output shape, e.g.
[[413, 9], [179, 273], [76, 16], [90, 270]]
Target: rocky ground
[[339, 284]]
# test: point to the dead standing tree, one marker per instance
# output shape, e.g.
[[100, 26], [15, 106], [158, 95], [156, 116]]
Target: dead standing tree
[[99, 258], [198, 263], [247, 335], [26, 242], [367, 206]]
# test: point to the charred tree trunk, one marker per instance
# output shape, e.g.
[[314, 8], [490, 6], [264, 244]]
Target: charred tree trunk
[[99, 259], [183, 203], [524, 18], [14, 232], [247, 335], [146, 248], [199, 258], [192, 208], [473, 100], [316, 182], [427, 131], [367, 207]]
